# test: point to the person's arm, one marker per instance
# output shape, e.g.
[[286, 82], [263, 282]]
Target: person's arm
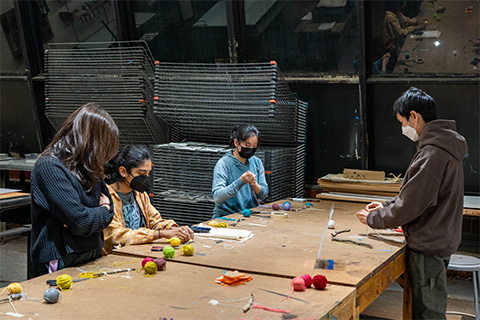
[[261, 186], [397, 28], [416, 196], [220, 191], [406, 21], [155, 220], [58, 195]]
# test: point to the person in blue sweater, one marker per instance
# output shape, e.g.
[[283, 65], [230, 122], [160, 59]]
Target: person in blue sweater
[[71, 204], [239, 177]]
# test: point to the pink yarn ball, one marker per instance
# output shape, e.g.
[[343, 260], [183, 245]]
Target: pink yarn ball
[[320, 282], [275, 206], [308, 280], [144, 261], [161, 264], [298, 284]]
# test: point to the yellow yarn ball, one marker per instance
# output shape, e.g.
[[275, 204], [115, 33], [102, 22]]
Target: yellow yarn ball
[[175, 242], [150, 268], [64, 282], [222, 225], [213, 224], [187, 250], [14, 288]]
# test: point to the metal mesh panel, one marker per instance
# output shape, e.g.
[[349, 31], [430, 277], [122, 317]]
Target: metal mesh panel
[[204, 101], [118, 76]]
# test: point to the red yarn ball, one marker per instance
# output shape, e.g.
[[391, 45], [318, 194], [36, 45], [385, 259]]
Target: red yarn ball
[[275, 206], [161, 264], [298, 284], [308, 280], [144, 261], [320, 282]]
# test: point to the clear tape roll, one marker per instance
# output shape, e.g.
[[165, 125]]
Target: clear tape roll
[[278, 215]]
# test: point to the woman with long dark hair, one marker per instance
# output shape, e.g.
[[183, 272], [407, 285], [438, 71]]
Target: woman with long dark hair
[[71, 204], [136, 220], [239, 177]]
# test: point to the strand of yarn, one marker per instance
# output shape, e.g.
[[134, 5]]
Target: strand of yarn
[[298, 284], [64, 282], [257, 306], [13, 288], [52, 295]]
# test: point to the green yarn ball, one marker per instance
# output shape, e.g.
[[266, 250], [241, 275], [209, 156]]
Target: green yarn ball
[[168, 252]]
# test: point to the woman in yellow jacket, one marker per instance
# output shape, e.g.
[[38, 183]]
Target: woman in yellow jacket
[[136, 220]]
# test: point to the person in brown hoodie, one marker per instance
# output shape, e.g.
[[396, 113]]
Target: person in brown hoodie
[[429, 206]]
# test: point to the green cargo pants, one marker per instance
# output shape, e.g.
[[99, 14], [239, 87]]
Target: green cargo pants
[[428, 279]]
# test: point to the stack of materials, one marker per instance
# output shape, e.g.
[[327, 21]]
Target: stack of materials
[[183, 175], [118, 76], [202, 102], [359, 186]]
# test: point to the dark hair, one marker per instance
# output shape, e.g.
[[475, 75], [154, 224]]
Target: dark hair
[[393, 5], [242, 132], [418, 101], [85, 142], [130, 157]]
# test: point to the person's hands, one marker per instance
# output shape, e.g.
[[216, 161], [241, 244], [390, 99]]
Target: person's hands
[[420, 26], [373, 206], [476, 43], [362, 216], [183, 233], [248, 177], [104, 201]]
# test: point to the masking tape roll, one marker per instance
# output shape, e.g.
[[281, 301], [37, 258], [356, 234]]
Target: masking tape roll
[[419, 60], [278, 215]]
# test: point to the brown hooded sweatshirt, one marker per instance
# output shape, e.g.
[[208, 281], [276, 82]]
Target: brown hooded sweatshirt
[[429, 206]]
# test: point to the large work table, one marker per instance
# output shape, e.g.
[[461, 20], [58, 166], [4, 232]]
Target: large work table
[[182, 291], [288, 248]]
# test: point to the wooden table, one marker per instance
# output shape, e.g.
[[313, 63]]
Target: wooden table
[[454, 52], [182, 291], [288, 248]]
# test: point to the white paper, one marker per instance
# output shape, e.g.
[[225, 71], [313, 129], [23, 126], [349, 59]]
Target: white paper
[[224, 233], [326, 26], [434, 34]]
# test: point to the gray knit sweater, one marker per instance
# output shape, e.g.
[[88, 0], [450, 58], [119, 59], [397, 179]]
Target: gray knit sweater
[[58, 199]]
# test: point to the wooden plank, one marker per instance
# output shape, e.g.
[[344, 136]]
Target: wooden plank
[[11, 195], [379, 282], [180, 292], [288, 248], [363, 174]]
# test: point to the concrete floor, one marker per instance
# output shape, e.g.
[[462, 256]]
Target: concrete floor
[[13, 268]]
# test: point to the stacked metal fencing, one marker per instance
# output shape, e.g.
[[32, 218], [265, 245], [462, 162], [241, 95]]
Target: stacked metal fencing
[[118, 76]]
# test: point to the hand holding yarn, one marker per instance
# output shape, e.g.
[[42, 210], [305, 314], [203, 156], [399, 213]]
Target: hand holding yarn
[[183, 233], [248, 178]]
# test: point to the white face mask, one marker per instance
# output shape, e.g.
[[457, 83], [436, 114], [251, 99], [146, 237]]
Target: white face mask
[[410, 132]]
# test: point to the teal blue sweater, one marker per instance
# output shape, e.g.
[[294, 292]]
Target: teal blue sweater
[[231, 195]]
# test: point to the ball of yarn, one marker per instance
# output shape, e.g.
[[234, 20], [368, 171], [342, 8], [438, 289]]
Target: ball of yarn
[[287, 206], [222, 225], [298, 284], [331, 224], [51, 295], [246, 213], [275, 206], [14, 288], [144, 261], [308, 280], [175, 242], [320, 282], [168, 252], [64, 282], [213, 224], [161, 264], [187, 250], [150, 268]]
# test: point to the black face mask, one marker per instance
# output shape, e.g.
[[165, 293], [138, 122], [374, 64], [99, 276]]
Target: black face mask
[[246, 153], [140, 183]]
